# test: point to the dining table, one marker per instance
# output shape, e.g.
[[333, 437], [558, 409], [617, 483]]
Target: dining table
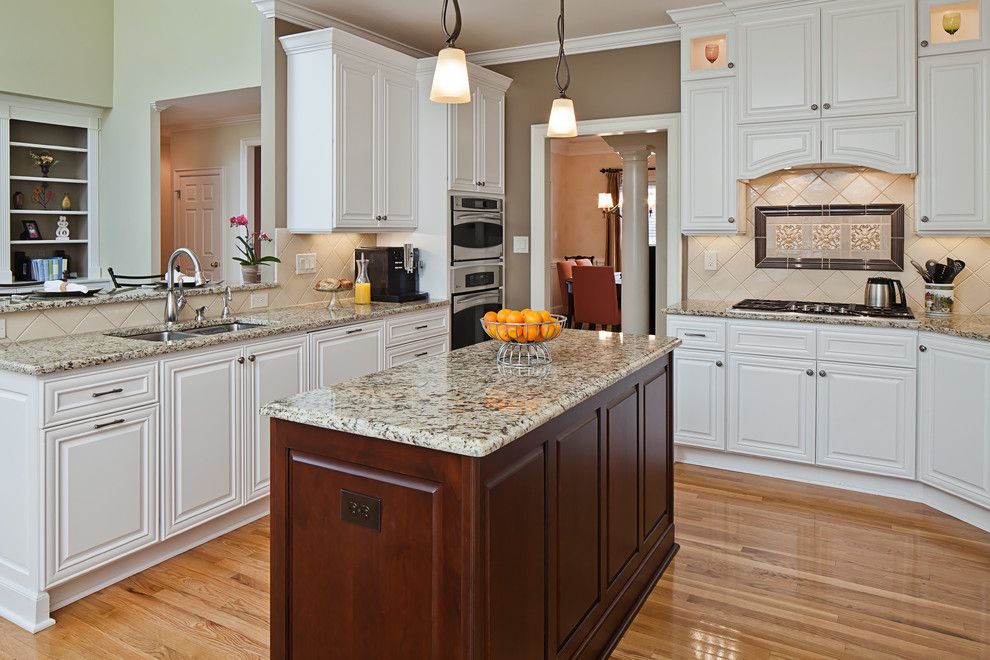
[[570, 296]]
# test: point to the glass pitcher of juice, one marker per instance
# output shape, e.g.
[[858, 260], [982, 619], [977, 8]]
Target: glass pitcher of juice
[[362, 285]]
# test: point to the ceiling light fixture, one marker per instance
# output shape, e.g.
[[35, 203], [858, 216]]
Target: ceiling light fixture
[[450, 80], [563, 123]]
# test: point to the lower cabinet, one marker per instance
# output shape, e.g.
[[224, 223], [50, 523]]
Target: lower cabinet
[[772, 407], [416, 351], [954, 418], [101, 490], [344, 353], [866, 418], [699, 398]]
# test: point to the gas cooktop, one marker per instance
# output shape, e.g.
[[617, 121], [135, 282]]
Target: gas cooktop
[[823, 309]]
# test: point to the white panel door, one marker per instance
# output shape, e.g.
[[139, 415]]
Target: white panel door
[[491, 137], [866, 418], [709, 182], [201, 423], [953, 416], [765, 148], [973, 34], [276, 369], [868, 57], [885, 142], [779, 65], [399, 133], [345, 353], [699, 398], [198, 223], [954, 153], [358, 137], [462, 144], [102, 490], [772, 407]]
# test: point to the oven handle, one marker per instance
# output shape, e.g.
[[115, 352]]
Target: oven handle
[[470, 300], [484, 218]]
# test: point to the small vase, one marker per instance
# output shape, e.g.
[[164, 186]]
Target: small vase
[[45, 169], [66, 203], [251, 274], [938, 300]]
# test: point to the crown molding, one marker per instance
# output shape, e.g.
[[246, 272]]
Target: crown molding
[[610, 41], [700, 13], [216, 123], [736, 6]]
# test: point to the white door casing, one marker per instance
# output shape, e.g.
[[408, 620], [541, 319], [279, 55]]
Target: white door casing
[[199, 218]]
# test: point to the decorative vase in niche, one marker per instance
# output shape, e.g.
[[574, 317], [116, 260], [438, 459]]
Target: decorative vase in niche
[[18, 200], [66, 203], [45, 169], [711, 53], [251, 274], [62, 231]]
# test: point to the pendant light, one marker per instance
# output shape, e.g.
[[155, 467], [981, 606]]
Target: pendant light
[[563, 123], [450, 79]]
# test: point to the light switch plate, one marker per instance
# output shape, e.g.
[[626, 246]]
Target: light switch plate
[[305, 263], [259, 300], [3, 329], [711, 260], [520, 244]]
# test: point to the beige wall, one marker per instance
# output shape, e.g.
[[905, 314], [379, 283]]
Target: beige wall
[[58, 49], [619, 83], [738, 278], [577, 226]]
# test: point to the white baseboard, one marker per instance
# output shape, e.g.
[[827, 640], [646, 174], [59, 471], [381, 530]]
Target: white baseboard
[[902, 489], [24, 609]]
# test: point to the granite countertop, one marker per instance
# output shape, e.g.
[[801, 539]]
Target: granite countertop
[[461, 403], [45, 356], [969, 326], [110, 296]]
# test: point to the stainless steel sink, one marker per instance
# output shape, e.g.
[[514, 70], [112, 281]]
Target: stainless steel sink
[[161, 337], [224, 329]]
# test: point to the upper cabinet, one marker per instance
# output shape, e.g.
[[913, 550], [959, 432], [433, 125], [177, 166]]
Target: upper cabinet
[[952, 27], [708, 50], [708, 186], [351, 135], [476, 134]]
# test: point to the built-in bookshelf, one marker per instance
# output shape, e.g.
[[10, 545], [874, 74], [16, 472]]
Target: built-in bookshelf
[[34, 199]]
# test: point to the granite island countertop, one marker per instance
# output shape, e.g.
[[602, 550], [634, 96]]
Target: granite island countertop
[[461, 403], [967, 326], [46, 356]]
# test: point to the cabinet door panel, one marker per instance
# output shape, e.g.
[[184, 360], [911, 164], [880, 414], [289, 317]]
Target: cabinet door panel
[[866, 418], [772, 407], [463, 157], [657, 455], [886, 142], [765, 148], [779, 74], [102, 490], [491, 136], [356, 168], [868, 57], [699, 398], [399, 100], [201, 399], [277, 370], [622, 485], [345, 353], [954, 155], [709, 185]]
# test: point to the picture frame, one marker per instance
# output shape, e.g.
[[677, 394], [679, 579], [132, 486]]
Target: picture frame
[[31, 231]]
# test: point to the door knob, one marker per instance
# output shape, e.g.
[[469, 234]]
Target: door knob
[[924, 218], [810, 372], [240, 360], [731, 65], [215, 264], [731, 220], [827, 106], [822, 373], [718, 363], [922, 348], [814, 106], [251, 358], [924, 44]]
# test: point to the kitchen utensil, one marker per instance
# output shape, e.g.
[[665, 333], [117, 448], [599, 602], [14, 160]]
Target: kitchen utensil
[[935, 270], [958, 267], [921, 271], [884, 293]]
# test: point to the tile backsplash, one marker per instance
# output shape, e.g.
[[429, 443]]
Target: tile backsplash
[[737, 276], [334, 258]]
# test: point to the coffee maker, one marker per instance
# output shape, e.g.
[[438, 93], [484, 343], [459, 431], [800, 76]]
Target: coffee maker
[[394, 273]]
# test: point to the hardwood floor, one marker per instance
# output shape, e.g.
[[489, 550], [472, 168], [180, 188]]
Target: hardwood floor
[[767, 569]]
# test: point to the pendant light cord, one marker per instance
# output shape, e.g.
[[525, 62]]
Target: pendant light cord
[[562, 66], [456, 32]]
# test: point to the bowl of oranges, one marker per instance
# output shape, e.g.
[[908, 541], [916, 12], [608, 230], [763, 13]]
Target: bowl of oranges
[[523, 334]]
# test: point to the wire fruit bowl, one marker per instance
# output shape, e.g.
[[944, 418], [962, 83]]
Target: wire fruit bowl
[[524, 345]]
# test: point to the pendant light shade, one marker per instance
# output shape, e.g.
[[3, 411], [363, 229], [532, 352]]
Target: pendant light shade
[[450, 79], [563, 122]]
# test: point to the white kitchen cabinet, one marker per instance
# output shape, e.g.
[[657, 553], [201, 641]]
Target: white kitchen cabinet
[[697, 36], [202, 413], [477, 143], [768, 147], [779, 57], [868, 57], [973, 33], [344, 353], [102, 490], [866, 418], [352, 134], [771, 405], [709, 196], [699, 398], [276, 369], [416, 350], [954, 153], [884, 142], [953, 416]]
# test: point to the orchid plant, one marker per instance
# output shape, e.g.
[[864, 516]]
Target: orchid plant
[[247, 242]]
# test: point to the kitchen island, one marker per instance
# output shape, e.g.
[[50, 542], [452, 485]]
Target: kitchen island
[[443, 509]]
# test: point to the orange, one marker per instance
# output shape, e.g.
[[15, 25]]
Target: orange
[[491, 317], [533, 330], [514, 332], [545, 316], [502, 315]]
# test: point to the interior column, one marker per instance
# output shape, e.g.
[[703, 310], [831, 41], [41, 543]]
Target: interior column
[[636, 310]]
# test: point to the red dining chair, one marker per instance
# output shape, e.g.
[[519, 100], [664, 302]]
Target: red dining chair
[[584, 262], [596, 300], [564, 269]]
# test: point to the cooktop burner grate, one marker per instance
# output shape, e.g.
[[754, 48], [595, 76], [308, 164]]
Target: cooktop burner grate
[[823, 309]]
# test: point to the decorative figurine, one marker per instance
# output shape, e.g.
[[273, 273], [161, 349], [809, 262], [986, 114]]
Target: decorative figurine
[[62, 231], [17, 201], [66, 203]]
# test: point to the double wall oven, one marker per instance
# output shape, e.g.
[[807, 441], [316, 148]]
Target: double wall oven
[[476, 265]]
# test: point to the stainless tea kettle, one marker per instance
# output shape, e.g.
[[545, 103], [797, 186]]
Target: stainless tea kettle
[[885, 293]]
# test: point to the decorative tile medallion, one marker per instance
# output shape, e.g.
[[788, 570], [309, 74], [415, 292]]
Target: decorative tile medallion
[[830, 237], [827, 237]]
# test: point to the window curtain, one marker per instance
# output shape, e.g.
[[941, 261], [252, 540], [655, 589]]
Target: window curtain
[[613, 222]]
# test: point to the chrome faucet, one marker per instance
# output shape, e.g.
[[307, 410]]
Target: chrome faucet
[[175, 302], [227, 298]]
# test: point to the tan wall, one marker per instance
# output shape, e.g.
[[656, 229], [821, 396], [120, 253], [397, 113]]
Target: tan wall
[[619, 83], [737, 276], [576, 222]]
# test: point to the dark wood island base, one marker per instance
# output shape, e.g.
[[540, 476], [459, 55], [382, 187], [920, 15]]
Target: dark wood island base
[[545, 548]]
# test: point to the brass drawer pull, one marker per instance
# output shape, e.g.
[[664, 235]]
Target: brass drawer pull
[[116, 390]]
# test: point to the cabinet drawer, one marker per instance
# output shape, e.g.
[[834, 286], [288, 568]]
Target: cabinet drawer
[[405, 328], [696, 332], [97, 393], [869, 346], [416, 351], [770, 339]]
